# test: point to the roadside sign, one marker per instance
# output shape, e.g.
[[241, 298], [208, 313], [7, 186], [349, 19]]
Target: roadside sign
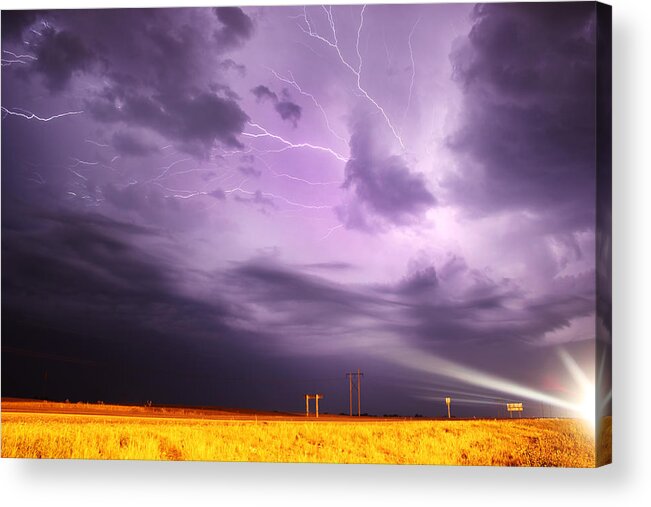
[[514, 407]]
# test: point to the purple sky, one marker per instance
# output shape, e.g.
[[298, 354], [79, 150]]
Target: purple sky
[[237, 206]]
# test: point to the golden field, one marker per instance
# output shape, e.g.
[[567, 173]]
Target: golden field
[[175, 436]]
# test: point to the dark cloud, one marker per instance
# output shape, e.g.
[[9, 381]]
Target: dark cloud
[[469, 306], [285, 108], [196, 122], [229, 64], [257, 198], [237, 27], [149, 202], [301, 299], [528, 134], [262, 93], [419, 281], [383, 184], [155, 71], [60, 54], [77, 289], [88, 259], [289, 111], [14, 23], [249, 170], [218, 194], [225, 90], [127, 143]]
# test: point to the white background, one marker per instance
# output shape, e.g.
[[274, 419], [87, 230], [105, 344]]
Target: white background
[[626, 482]]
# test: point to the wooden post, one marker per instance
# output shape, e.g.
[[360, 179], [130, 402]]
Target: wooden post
[[358, 387], [359, 391], [307, 406], [447, 402], [350, 393], [317, 404]]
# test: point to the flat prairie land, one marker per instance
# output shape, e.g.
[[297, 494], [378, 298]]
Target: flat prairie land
[[146, 433]]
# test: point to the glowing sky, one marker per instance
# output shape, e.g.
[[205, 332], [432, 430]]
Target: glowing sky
[[236, 206]]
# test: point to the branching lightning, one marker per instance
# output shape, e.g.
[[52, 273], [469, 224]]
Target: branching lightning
[[78, 162], [16, 58], [413, 67], [32, 116], [167, 168], [283, 199], [295, 178], [356, 71], [288, 144], [188, 194]]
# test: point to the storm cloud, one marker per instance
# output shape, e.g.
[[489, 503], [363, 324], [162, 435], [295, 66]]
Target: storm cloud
[[285, 108], [59, 55], [383, 185], [528, 130], [237, 27]]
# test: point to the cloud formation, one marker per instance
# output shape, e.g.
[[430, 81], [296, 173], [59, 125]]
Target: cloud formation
[[130, 144], [14, 23], [237, 27], [59, 55], [196, 122], [384, 187], [528, 129], [285, 108]]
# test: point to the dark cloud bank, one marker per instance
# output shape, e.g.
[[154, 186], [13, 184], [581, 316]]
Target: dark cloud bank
[[528, 77]]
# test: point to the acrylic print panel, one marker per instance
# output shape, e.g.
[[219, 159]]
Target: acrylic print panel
[[347, 234]]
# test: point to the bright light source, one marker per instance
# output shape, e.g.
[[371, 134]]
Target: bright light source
[[587, 406]]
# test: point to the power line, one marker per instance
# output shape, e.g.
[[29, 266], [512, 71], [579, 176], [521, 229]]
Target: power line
[[355, 383]]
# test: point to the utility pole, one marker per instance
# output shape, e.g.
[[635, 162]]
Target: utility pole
[[357, 386], [350, 393], [359, 392]]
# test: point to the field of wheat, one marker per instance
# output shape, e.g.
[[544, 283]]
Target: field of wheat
[[526, 442]]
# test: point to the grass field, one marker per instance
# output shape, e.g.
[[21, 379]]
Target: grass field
[[169, 436]]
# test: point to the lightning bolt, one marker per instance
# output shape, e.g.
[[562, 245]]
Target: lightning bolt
[[32, 116], [79, 175], [189, 194], [78, 162], [95, 143], [295, 178], [413, 67], [15, 58], [330, 231], [167, 168], [38, 179], [281, 198], [288, 144], [30, 57], [357, 72]]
